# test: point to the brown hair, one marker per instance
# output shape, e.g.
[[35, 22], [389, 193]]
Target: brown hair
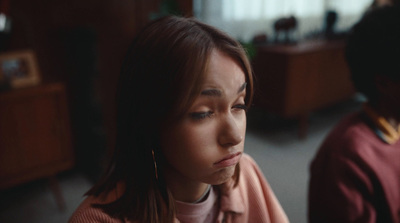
[[161, 75], [373, 50]]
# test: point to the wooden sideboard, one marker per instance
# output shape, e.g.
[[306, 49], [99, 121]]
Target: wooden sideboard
[[294, 80], [35, 139]]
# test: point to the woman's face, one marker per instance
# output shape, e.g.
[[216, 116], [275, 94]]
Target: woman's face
[[207, 143]]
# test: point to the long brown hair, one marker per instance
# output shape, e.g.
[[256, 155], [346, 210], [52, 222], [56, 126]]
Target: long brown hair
[[160, 78]]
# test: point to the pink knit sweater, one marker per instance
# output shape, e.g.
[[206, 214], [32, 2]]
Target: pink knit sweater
[[251, 201]]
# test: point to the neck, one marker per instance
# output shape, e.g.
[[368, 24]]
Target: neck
[[184, 189]]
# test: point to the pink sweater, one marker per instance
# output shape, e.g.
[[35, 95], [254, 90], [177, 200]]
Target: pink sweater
[[251, 201]]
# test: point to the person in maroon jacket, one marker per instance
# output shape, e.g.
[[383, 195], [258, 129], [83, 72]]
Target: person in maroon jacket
[[355, 176]]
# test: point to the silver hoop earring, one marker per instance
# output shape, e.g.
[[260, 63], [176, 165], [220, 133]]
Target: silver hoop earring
[[155, 164]]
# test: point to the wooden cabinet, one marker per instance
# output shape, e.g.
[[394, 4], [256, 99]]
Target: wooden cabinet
[[294, 80], [35, 140]]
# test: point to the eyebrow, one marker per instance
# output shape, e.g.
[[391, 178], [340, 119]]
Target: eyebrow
[[218, 93], [242, 87]]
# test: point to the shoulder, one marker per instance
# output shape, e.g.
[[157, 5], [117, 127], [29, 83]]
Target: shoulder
[[348, 136], [247, 161], [349, 146], [87, 213], [351, 127], [251, 175], [250, 171], [251, 178], [257, 195]]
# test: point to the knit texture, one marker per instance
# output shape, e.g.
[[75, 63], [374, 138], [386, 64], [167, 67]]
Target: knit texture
[[251, 201], [355, 176]]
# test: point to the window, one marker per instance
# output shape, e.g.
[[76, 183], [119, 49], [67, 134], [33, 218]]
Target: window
[[245, 18]]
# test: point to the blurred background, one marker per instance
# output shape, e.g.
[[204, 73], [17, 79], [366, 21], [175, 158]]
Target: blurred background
[[59, 65]]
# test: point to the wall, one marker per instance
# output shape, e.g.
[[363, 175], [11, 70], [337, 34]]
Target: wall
[[82, 44]]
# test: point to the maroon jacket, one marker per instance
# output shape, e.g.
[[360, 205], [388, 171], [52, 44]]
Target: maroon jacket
[[355, 176]]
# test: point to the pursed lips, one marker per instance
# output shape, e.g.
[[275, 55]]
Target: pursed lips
[[229, 160]]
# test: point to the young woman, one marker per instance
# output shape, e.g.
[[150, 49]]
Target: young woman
[[183, 94]]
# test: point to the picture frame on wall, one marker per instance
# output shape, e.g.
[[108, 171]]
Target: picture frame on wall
[[19, 69]]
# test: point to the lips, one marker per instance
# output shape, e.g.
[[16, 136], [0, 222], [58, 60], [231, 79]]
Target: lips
[[229, 160]]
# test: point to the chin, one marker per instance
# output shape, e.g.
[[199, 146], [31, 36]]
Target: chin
[[223, 175]]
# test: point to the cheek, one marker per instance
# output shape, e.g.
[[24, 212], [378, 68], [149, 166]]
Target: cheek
[[190, 152], [185, 144], [243, 123]]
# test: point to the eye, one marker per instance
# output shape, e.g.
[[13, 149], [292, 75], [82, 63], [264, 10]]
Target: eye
[[201, 115], [240, 107]]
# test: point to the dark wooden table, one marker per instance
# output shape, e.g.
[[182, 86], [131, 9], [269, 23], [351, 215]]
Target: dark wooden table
[[294, 80]]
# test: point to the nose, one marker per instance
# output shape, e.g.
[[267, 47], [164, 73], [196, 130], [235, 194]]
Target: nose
[[232, 130]]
